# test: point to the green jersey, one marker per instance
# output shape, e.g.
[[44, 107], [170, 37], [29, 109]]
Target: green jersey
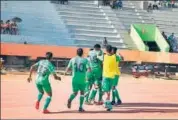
[[96, 59], [45, 68], [118, 58], [79, 68]]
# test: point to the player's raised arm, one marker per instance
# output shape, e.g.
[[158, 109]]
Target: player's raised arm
[[32, 68], [56, 76], [121, 57], [88, 66], [69, 66]]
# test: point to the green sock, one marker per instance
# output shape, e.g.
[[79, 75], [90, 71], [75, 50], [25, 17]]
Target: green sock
[[116, 94], [93, 94], [40, 95], [81, 100], [113, 95], [87, 96], [108, 104], [100, 94], [47, 102], [72, 96]]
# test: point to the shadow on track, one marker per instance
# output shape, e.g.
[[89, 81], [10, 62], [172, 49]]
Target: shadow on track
[[133, 108], [149, 105]]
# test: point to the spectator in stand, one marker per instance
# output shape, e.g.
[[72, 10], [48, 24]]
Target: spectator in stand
[[155, 5], [118, 4], [105, 42], [106, 2], [172, 3], [112, 4], [164, 35], [25, 42], [2, 26], [171, 41], [13, 28], [64, 1], [171, 37], [149, 7], [7, 27]]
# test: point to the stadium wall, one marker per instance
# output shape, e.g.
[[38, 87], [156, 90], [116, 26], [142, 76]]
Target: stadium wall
[[35, 51], [137, 40], [161, 42]]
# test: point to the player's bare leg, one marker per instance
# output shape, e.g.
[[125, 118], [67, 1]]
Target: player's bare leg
[[71, 98]]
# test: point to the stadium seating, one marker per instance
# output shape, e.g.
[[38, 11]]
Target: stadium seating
[[170, 24], [89, 24], [81, 23], [122, 19], [40, 23]]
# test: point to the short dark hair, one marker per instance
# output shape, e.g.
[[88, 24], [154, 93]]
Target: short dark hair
[[91, 49], [49, 55], [114, 49], [97, 46], [80, 52], [109, 48]]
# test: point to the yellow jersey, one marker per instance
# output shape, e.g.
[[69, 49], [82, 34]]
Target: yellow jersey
[[109, 66]]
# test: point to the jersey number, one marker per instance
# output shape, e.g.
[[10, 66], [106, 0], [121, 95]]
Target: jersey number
[[79, 68], [94, 59], [43, 71]]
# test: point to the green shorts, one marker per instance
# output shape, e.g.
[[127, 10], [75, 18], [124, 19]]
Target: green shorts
[[90, 77], [78, 86], [115, 81], [107, 84], [97, 75], [42, 88]]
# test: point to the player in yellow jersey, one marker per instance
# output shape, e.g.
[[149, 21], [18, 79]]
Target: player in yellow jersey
[[115, 93], [109, 72]]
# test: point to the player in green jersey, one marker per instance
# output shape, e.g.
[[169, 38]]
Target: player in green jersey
[[45, 68], [89, 83], [96, 57], [115, 93], [79, 67]]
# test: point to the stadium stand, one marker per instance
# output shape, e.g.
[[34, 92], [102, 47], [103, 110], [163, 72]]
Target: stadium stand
[[89, 24], [82, 23], [168, 25], [39, 25], [131, 13]]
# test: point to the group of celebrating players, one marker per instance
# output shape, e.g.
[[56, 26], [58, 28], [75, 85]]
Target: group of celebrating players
[[99, 72]]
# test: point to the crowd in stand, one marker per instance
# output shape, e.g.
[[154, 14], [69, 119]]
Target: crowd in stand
[[172, 41], [60, 1], [115, 4], [156, 4], [9, 27]]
